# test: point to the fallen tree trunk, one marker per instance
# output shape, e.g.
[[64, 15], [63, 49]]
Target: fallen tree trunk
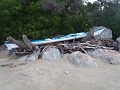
[[88, 37], [21, 44], [28, 43], [25, 44]]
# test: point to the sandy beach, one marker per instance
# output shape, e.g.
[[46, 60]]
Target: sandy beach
[[50, 75]]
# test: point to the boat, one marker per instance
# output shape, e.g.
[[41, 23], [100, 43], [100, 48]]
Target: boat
[[56, 39]]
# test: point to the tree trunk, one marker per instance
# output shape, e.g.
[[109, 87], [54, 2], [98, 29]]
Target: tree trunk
[[25, 44], [89, 36], [21, 44], [28, 43]]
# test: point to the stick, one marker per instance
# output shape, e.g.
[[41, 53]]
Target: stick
[[24, 75]]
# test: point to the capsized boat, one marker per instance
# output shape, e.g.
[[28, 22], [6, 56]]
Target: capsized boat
[[57, 39]]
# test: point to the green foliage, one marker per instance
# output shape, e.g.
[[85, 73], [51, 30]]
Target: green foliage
[[18, 17], [82, 23], [111, 22], [110, 17]]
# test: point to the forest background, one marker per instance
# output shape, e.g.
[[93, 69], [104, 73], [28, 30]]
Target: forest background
[[40, 19]]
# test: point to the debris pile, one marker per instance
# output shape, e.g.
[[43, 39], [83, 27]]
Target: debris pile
[[81, 49]]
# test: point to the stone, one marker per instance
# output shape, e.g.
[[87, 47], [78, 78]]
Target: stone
[[3, 48], [66, 72], [4, 52], [109, 56], [82, 60], [23, 58], [115, 44], [107, 33], [51, 54], [32, 57], [118, 43], [12, 51]]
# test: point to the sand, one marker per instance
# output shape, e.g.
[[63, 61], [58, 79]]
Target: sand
[[50, 75]]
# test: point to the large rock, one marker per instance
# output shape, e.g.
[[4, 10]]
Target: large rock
[[82, 60], [32, 57], [51, 54], [4, 52], [109, 56], [107, 33], [12, 51], [23, 58], [118, 43]]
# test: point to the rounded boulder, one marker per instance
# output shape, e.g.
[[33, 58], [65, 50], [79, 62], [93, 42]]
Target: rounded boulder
[[82, 60], [51, 54]]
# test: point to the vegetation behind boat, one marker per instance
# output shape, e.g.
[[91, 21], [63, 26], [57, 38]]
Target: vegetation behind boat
[[38, 22]]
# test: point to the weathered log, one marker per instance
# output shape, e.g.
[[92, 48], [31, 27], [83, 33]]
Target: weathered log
[[88, 37], [25, 44], [28, 43], [21, 44]]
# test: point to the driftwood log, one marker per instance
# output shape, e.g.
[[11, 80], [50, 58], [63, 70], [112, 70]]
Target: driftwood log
[[21, 44], [88, 37], [28, 43], [25, 44]]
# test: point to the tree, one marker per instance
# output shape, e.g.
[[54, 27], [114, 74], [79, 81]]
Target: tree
[[110, 15], [51, 6]]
